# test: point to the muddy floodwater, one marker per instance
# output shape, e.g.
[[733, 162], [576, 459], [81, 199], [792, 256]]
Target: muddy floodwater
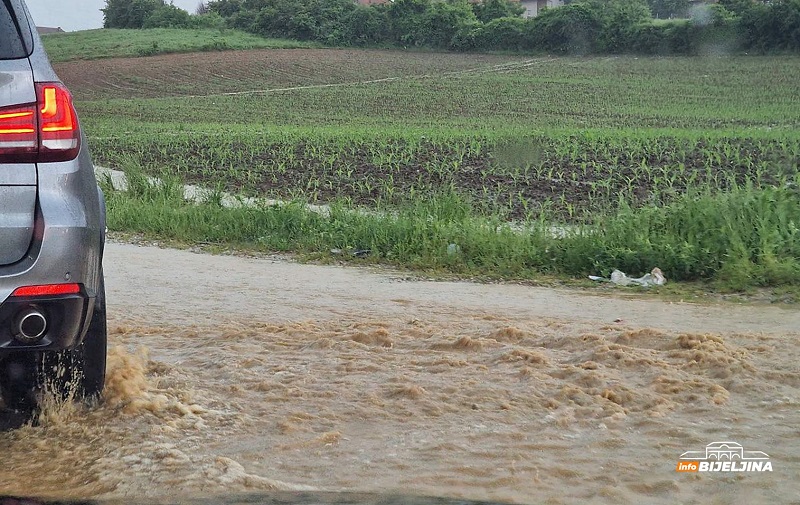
[[232, 375]]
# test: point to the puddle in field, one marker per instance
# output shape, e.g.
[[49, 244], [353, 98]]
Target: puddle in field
[[475, 406]]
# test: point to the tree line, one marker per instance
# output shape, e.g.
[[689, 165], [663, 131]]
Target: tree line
[[579, 27]]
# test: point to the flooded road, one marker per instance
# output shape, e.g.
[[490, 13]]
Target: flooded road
[[232, 375]]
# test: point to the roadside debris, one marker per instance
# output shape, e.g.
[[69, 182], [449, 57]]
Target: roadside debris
[[358, 253], [654, 278]]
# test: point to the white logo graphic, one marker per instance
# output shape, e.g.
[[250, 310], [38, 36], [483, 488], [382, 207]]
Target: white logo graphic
[[724, 457]]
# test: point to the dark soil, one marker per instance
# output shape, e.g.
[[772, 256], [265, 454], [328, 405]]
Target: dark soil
[[568, 187]]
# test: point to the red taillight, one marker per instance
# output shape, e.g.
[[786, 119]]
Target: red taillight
[[59, 137], [46, 131], [47, 290], [18, 137]]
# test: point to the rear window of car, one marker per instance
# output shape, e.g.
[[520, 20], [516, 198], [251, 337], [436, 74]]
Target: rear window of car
[[15, 37]]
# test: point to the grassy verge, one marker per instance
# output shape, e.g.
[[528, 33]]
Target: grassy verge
[[744, 237], [569, 136], [570, 176], [695, 175], [115, 43]]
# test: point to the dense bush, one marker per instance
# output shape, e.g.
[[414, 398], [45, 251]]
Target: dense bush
[[155, 14], [580, 27], [651, 38], [406, 18], [572, 29], [442, 21], [489, 10], [507, 34], [168, 16], [668, 9], [208, 20], [129, 13], [773, 27], [717, 31], [618, 19], [366, 27]]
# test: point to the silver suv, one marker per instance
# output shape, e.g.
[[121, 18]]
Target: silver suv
[[52, 229]]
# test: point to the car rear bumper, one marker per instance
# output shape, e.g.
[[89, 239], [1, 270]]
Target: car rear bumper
[[66, 247], [66, 316]]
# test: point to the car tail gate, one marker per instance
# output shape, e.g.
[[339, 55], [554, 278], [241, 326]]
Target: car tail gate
[[19, 136]]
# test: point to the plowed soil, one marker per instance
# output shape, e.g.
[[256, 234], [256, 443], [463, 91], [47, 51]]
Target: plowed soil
[[201, 74], [231, 374]]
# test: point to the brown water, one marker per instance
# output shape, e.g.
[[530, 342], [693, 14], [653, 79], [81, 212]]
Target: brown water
[[230, 375]]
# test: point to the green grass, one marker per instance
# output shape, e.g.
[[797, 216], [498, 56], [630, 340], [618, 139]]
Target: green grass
[[609, 93], [688, 164], [571, 136], [116, 43], [742, 238]]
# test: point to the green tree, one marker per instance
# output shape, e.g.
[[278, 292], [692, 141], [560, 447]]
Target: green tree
[[571, 29], [366, 25], [129, 13], [495, 9], [667, 9], [442, 21], [332, 18], [738, 7], [168, 16], [255, 5], [618, 18], [320, 20], [772, 27], [406, 18], [509, 34], [281, 18], [225, 8]]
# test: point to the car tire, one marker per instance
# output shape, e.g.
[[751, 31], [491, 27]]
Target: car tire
[[77, 373], [80, 373], [18, 381], [94, 348]]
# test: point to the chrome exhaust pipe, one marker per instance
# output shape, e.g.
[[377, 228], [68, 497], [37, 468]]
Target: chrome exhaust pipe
[[30, 326]]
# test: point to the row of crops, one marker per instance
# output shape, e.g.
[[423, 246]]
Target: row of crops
[[688, 163], [570, 177]]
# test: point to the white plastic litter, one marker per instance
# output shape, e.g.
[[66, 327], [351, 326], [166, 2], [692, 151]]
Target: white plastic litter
[[654, 278]]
